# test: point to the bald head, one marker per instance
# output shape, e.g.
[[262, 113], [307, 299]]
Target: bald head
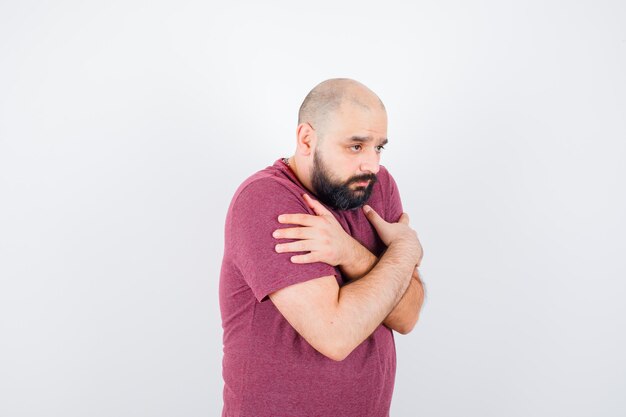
[[329, 96]]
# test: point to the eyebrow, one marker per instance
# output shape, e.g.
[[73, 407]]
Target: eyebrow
[[364, 139]]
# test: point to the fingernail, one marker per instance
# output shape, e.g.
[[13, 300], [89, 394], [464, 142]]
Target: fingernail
[[366, 208], [277, 248], [280, 218], [276, 233]]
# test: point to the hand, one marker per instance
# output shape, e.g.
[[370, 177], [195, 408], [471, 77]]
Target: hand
[[399, 232], [322, 236]]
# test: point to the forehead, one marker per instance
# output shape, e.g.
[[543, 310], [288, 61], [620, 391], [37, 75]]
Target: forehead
[[355, 119]]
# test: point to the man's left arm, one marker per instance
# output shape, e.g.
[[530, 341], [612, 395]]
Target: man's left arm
[[406, 313]]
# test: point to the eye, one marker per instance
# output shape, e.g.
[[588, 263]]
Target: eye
[[379, 148], [355, 146]]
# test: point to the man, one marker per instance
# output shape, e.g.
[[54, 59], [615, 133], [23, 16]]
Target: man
[[313, 279]]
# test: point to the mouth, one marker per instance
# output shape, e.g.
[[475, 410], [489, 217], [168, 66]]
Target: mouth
[[362, 183]]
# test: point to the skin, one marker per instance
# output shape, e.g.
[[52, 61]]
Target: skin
[[348, 158], [335, 320], [326, 241]]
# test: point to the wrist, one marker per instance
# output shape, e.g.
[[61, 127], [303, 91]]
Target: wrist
[[357, 261], [408, 250], [349, 256]]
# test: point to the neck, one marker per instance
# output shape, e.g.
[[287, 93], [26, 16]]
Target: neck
[[300, 175]]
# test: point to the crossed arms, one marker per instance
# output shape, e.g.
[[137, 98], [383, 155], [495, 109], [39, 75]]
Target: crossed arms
[[388, 290], [405, 314]]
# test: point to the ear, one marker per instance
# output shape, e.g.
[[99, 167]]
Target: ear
[[306, 138]]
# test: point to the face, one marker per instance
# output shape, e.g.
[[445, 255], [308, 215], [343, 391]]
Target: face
[[341, 195], [347, 159]]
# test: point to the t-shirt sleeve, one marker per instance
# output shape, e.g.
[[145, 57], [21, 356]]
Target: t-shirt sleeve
[[254, 218], [394, 203]]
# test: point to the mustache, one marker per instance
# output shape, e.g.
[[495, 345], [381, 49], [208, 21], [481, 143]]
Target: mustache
[[364, 177]]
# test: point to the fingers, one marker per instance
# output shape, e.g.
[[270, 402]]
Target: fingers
[[298, 218], [294, 233], [304, 259], [317, 207], [297, 246], [372, 216]]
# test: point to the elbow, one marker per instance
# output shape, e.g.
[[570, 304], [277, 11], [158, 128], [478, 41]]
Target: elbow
[[337, 356], [335, 353], [335, 350], [404, 329], [407, 327]]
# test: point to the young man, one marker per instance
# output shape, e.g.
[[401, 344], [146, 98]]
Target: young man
[[313, 279]]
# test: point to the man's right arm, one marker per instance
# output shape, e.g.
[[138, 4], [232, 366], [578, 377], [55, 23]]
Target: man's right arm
[[336, 320]]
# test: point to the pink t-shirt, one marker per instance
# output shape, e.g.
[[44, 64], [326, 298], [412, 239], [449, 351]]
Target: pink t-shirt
[[269, 370]]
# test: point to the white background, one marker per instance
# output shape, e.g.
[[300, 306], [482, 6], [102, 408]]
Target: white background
[[126, 126]]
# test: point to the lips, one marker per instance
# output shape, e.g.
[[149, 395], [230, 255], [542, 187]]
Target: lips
[[364, 182]]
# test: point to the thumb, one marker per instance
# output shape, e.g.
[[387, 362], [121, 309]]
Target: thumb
[[404, 219], [317, 207], [372, 216]]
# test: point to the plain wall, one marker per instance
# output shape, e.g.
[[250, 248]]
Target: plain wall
[[126, 126]]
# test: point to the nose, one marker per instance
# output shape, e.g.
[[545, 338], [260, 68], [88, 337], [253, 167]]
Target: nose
[[370, 162]]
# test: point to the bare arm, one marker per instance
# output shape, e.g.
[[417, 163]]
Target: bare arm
[[336, 320], [405, 314], [327, 242]]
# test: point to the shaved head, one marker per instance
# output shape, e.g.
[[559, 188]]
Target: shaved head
[[326, 98], [342, 130]]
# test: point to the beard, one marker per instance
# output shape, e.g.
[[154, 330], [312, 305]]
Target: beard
[[339, 195]]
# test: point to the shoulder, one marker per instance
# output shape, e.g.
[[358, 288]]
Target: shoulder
[[267, 192], [261, 198], [385, 186], [385, 179], [390, 195]]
